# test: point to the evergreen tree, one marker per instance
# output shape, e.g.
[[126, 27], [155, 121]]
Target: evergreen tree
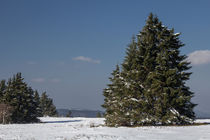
[[3, 87], [14, 97], [38, 106], [168, 97], [20, 97], [47, 106], [133, 75], [23, 102], [113, 99], [151, 88], [31, 106]]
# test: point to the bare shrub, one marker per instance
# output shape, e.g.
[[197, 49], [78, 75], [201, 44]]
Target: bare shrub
[[5, 113]]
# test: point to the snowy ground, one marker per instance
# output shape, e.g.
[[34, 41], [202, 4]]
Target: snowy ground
[[92, 129]]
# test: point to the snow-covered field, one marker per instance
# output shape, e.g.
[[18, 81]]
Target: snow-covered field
[[93, 129]]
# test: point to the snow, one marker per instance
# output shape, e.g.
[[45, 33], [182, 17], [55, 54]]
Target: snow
[[120, 77], [174, 111], [177, 34], [93, 129], [127, 84], [134, 99], [141, 86], [109, 90]]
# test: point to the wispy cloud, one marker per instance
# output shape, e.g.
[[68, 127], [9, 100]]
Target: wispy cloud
[[199, 57], [38, 80], [86, 59], [55, 80], [42, 80]]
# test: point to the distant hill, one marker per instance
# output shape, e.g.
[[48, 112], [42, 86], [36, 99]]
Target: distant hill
[[202, 115], [79, 113], [93, 113]]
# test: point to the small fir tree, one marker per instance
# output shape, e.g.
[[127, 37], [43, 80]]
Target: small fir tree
[[47, 106], [113, 101]]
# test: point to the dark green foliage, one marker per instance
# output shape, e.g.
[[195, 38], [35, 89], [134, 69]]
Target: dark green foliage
[[114, 100], [47, 106], [21, 98], [151, 88], [37, 105], [2, 90], [23, 103], [31, 105]]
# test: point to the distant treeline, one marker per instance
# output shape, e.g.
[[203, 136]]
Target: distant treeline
[[79, 113], [19, 103]]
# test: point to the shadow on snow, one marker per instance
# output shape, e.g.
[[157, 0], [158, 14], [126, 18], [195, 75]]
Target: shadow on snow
[[62, 121]]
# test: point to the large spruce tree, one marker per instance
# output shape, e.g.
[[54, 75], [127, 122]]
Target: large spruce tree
[[152, 81]]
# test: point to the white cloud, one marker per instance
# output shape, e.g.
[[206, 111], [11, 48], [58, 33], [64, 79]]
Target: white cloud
[[41, 80], [38, 80], [87, 59], [199, 57], [55, 80]]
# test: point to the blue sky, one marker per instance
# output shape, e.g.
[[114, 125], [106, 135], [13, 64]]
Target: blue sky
[[69, 48]]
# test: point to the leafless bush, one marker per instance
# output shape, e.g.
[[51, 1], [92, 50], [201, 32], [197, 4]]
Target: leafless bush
[[5, 113]]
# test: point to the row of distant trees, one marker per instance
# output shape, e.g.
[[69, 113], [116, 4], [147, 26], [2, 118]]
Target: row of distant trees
[[19, 103]]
